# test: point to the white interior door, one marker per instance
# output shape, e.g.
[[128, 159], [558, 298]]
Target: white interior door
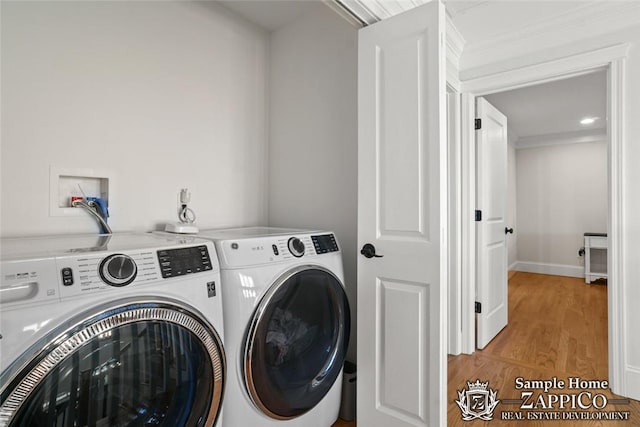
[[491, 193], [402, 213]]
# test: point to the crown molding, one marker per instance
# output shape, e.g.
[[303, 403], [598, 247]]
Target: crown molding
[[455, 40], [372, 11], [563, 138], [568, 66], [454, 44], [544, 25], [338, 7], [592, 19], [358, 9]]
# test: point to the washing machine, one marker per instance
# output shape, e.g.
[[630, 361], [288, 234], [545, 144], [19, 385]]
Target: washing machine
[[110, 330], [287, 324]]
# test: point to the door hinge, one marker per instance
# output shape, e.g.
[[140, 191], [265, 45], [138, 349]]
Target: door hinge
[[478, 215], [478, 124], [478, 307]]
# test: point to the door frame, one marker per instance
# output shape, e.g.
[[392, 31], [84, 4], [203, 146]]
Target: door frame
[[613, 60]]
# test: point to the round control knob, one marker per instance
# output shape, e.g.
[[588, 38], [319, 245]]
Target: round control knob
[[296, 247], [118, 270]]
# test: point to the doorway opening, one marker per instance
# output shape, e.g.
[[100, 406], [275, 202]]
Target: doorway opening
[[610, 61], [545, 195], [557, 179]]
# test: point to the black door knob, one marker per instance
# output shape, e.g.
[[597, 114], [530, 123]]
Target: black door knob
[[369, 251], [508, 230]]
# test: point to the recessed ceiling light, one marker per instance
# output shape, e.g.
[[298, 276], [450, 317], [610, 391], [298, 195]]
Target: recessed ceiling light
[[588, 120]]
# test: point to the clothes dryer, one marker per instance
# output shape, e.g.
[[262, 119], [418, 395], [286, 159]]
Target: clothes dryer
[[111, 330], [287, 324]]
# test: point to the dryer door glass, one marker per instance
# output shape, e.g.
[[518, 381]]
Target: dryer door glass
[[297, 341], [161, 369]]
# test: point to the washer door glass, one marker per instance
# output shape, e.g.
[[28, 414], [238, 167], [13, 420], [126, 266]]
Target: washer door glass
[[141, 365], [297, 341]]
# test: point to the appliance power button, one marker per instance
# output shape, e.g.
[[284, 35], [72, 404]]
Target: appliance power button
[[67, 276]]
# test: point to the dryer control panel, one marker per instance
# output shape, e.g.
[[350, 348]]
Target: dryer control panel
[[324, 243], [244, 252]]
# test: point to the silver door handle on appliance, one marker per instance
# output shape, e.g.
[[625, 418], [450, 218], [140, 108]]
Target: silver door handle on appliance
[[369, 251]]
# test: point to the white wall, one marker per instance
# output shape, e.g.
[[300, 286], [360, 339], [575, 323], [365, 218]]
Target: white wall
[[162, 94], [313, 133], [562, 193], [549, 45], [512, 222]]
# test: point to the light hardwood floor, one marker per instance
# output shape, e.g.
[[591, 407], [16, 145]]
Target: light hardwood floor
[[557, 328]]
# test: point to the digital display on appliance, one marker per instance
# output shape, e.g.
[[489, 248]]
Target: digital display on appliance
[[324, 243], [178, 262]]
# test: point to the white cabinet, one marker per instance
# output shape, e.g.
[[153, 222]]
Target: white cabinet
[[595, 256]]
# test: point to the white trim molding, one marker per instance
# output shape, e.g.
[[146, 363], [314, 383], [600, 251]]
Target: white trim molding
[[601, 17], [455, 45], [613, 59], [616, 80], [372, 11], [575, 137], [468, 235], [344, 12], [546, 268], [559, 69]]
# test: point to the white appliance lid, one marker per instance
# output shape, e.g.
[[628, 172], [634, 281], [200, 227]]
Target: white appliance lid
[[249, 232]]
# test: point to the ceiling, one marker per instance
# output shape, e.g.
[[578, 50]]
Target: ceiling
[[478, 21], [533, 112], [555, 108], [482, 20], [270, 14]]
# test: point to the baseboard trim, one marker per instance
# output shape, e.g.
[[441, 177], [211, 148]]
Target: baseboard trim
[[543, 268], [632, 376]]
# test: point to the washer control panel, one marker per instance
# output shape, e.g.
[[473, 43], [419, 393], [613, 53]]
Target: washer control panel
[[68, 267], [178, 262], [88, 273]]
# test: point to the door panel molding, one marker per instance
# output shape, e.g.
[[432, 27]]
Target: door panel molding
[[400, 157], [398, 302]]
